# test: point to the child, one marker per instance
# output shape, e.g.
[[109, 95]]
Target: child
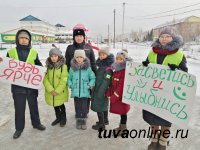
[[115, 91], [103, 79], [56, 90], [165, 51], [81, 79]]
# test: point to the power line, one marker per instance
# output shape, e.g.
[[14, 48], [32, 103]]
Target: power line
[[169, 10], [123, 24], [161, 16], [173, 14]]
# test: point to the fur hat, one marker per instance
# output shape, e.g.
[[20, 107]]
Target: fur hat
[[55, 51], [79, 53], [23, 34], [78, 32], [122, 54], [105, 50], [169, 30]]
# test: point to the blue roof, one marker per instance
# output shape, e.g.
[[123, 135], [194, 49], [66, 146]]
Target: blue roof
[[30, 18]]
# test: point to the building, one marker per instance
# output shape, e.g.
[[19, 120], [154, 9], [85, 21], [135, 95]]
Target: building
[[62, 34], [40, 30], [188, 27]]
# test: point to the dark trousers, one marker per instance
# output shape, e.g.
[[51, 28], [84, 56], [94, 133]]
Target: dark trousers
[[81, 107], [88, 105], [20, 107], [123, 119]]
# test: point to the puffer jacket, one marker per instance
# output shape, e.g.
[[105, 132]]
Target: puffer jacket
[[55, 79], [81, 79]]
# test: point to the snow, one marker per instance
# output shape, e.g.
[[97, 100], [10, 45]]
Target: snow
[[69, 137]]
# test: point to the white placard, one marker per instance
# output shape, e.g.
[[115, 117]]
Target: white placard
[[161, 91], [21, 73]]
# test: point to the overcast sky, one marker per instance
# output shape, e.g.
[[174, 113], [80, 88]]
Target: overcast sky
[[96, 14]]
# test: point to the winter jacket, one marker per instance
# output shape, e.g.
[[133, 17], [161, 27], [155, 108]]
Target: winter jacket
[[115, 90], [169, 49], [55, 79], [81, 79], [162, 52], [103, 80], [69, 54], [23, 53]]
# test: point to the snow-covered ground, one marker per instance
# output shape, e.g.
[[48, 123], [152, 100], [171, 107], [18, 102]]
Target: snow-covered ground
[[69, 137]]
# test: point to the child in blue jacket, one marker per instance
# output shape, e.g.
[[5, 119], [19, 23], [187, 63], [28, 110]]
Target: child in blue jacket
[[81, 80]]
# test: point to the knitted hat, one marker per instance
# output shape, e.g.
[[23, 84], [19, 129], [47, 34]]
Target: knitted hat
[[23, 34], [78, 32], [55, 51], [105, 50], [169, 30], [122, 54], [79, 53]]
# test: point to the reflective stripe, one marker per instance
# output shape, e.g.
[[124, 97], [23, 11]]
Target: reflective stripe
[[116, 79], [31, 56], [116, 94], [108, 76]]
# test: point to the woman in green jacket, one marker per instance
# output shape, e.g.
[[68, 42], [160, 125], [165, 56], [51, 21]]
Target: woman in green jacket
[[56, 90]]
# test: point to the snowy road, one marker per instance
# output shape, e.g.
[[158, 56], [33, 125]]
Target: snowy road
[[69, 137]]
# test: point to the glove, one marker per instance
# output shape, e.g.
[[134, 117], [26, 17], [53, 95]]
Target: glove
[[173, 67], [145, 63]]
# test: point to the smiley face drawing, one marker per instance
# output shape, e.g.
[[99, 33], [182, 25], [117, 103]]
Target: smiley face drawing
[[182, 96]]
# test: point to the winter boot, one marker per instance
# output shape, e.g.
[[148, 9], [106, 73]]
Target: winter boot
[[100, 125], [78, 123], [63, 119], [162, 143], [154, 142], [121, 128], [57, 120], [106, 122], [84, 124]]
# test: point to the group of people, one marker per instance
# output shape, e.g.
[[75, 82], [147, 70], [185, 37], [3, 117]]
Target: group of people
[[99, 82]]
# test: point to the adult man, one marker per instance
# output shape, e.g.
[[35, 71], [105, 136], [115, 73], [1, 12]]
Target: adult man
[[24, 52], [79, 43]]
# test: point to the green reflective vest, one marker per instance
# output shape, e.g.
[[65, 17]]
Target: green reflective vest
[[175, 58], [31, 56]]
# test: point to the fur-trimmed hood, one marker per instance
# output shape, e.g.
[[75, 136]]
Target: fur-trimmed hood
[[57, 65], [121, 66], [17, 38], [105, 62], [118, 67], [85, 65], [175, 44]]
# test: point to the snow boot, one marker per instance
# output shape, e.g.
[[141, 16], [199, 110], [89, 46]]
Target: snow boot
[[121, 128], [84, 124], [163, 143], [57, 120], [154, 142], [106, 121], [78, 123], [63, 119], [100, 125]]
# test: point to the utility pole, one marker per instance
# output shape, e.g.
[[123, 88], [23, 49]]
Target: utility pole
[[97, 41], [114, 30], [123, 25], [108, 36]]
